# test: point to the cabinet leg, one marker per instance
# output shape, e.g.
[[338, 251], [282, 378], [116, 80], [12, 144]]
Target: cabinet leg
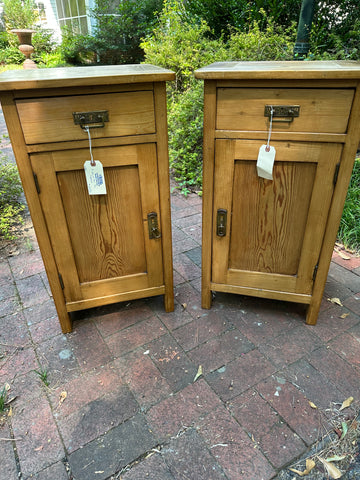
[[65, 321], [64, 317], [312, 313], [206, 298], [169, 301]]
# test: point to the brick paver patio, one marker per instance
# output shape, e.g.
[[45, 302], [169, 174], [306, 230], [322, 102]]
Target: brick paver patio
[[122, 401]]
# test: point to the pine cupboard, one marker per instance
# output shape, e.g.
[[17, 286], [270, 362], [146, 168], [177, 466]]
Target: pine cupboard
[[97, 249], [274, 238]]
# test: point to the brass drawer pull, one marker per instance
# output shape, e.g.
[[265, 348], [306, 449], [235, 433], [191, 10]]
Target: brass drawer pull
[[91, 119], [287, 113]]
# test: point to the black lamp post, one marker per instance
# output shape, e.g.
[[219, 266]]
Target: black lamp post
[[302, 44]]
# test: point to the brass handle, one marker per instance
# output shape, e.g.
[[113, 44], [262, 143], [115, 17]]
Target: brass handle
[[95, 119], [153, 226], [221, 222], [281, 111]]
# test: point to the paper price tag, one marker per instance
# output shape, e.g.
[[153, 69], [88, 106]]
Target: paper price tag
[[265, 162], [95, 178]]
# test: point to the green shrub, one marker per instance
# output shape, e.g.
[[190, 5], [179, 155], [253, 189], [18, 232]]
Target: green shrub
[[271, 43], [52, 60], [185, 120], [349, 231], [10, 205], [117, 34], [180, 45], [19, 14]]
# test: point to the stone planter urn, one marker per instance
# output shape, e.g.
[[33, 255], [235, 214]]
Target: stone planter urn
[[25, 47]]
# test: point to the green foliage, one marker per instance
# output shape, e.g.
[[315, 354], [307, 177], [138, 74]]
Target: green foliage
[[185, 120], [180, 45], [271, 43], [228, 14], [52, 60], [11, 55], [116, 39], [19, 14], [3, 395], [10, 206], [43, 375], [349, 231], [77, 49]]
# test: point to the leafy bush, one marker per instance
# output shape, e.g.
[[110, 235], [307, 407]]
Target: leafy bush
[[349, 231], [19, 14], [180, 45], [185, 120], [271, 43], [10, 191], [228, 14], [117, 34]]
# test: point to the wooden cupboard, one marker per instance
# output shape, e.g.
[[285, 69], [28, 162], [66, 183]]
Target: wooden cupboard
[[97, 249], [274, 238]]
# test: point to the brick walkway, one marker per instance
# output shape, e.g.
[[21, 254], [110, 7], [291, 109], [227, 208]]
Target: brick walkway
[[128, 372]]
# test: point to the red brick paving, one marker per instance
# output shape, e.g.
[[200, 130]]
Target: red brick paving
[[128, 372]]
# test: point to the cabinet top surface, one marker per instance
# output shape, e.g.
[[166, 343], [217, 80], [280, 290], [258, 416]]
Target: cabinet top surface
[[82, 76], [280, 70]]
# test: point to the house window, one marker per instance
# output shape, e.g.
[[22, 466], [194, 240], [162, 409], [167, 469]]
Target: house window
[[72, 13], [40, 7]]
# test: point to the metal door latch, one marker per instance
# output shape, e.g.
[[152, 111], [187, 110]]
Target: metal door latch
[[221, 222], [153, 225]]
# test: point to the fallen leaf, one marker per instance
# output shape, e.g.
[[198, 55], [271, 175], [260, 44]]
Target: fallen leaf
[[199, 373], [336, 300], [63, 396], [346, 403], [38, 449], [10, 412], [344, 315], [7, 387], [312, 405], [336, 458], [310, 464], [344, 430], [333, 471]]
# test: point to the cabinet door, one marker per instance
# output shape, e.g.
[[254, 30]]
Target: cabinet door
[[101, 243], [274, 229]]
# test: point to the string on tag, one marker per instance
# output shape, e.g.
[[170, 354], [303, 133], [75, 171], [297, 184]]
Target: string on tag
[[92, 161], [267, 148]]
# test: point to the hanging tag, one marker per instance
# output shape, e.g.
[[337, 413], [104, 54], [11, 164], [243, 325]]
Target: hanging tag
[[95, 178], [265, 162]]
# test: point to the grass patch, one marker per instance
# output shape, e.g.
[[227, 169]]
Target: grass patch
[[349, 231], [43, 375]]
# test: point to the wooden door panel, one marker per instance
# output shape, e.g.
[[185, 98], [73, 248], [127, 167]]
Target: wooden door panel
[[269, 217], [274, 228], [101, 242], [113, 245]]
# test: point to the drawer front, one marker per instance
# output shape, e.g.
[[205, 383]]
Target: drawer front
[[321, 110], [47, 120]]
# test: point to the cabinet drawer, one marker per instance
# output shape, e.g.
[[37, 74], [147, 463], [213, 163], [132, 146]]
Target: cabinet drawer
[[321, 110], [47, 120]]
